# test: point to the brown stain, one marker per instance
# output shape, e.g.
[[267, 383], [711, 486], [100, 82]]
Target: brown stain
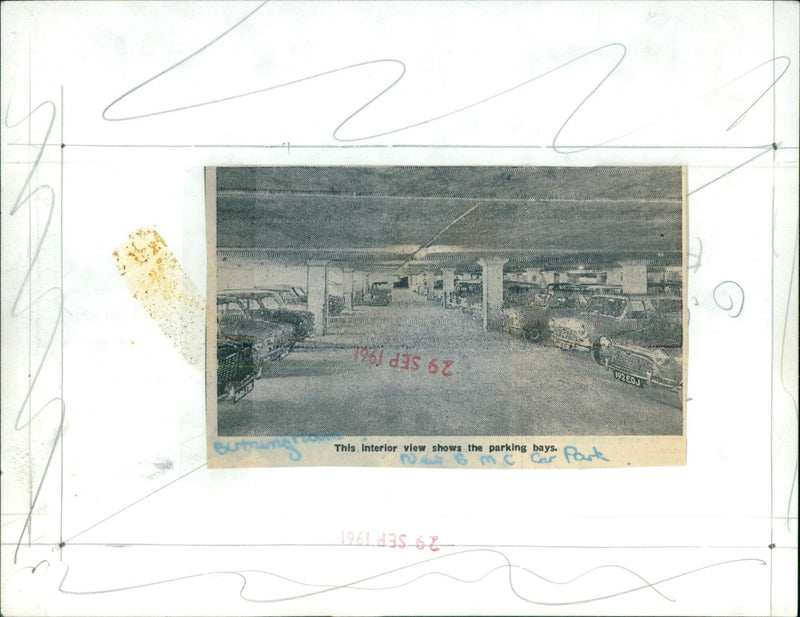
[[157, 280]]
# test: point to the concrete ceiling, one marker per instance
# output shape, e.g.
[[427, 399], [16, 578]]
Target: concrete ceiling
[[453, 215]]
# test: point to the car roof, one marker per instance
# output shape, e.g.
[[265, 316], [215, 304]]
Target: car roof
[[232, 295], [636, 297]]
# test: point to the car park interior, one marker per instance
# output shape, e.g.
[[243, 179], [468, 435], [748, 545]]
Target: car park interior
[[450, 300]]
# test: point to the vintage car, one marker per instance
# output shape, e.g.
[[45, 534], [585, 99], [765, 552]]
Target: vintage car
[[236, 370], [466, 294], [664, 288], [594, 289], [270, 341], [380, 294], [520, 292], [268, 305], [336, 304], [612, 315], [531, 318], [577, 289], [651, 357], [290, 294]]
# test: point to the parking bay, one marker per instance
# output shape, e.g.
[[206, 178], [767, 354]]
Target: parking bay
[[496, 385]]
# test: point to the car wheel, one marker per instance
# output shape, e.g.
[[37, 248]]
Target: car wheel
[[533, 334]]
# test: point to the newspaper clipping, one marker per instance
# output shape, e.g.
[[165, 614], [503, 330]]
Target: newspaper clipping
[[476, 317]]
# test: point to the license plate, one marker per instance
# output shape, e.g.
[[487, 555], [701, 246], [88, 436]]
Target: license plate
[[242, 391], [627, 378]]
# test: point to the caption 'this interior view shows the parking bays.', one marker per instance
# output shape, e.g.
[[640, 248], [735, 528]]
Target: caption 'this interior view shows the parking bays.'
[[449, 301]]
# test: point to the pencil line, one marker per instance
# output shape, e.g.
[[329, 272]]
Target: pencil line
[[772, 334], [138, 501], [61, 271], [700, 547], [30, 313], [730, 171], [429, 146]]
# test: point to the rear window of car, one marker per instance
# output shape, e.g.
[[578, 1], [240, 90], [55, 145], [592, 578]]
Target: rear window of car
[[229, 308], [612, 307], [636, 309], [567, 302], [673, 305], [248, 304], [268, 301]]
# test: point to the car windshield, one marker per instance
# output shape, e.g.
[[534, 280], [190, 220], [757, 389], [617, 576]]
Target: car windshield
[[567, 302], [673, 305], [248, 304], [636, 309], [269, 301], [613, 307], [230, 308]]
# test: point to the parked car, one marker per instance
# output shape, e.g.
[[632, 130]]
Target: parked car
[[467, 294], [651, 357], [290, 294], [270, 341], [531, 318], [593, 289], [236, 369], [336, 304], [267, 305], [566, 289], [612, 315], [517, 293], [664, 288], [336, 301], [380, 294]]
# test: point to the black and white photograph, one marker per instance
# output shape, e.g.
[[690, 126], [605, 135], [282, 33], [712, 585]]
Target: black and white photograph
[[449, 301]]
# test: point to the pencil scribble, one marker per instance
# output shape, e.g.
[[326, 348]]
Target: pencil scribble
[[29, 198], [729, 296], [628, 582], [615, 52]]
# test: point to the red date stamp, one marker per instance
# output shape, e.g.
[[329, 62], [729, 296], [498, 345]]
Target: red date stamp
[[404, 361], [389, 540]]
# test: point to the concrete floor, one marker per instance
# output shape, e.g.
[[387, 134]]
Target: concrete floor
[[500, 385]]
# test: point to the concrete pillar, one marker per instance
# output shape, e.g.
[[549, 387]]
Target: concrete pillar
[[318, 294], [347, 288], [359, 286], [492, 291], [448, 283], [634, 277], [614, 276]]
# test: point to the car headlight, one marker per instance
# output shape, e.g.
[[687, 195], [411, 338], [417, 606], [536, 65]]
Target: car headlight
[[660, 356]]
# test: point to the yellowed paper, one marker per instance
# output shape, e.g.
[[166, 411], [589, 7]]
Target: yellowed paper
[[463, 317]]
